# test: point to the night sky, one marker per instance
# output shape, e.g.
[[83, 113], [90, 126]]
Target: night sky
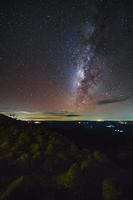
[[70, 59]]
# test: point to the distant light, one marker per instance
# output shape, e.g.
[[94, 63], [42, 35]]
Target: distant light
[[99, 120], [37, 122], [119, 131], [79, 122], [110, 126], [121, 122]]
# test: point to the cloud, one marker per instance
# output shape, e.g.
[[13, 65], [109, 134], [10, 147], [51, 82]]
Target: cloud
[[72, 115], [113, 100], [63, 114]]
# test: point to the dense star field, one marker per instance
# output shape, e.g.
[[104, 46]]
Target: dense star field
[[69, 59]]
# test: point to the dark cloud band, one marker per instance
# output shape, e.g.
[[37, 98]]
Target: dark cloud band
[[109, 101]]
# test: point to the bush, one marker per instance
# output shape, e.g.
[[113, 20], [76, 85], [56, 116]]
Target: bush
[[69, 178], [97, 155], [23, 157], [49, 149], [35, 149], [109, 190], [14, 185]]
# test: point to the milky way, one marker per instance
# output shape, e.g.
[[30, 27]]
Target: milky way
[[90, 69], [87, 72]]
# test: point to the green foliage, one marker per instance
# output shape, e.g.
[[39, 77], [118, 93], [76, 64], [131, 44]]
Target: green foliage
[[21, 139], [61, 156], [35, 149], [39, 139], [86, 162], [23, 157], [69, 178], [109, 190], [4, 145], [52, 146], [97, 155], [55, 141], [36, 155], [73, 149], [8, 155], [49, 149], [13, 186]]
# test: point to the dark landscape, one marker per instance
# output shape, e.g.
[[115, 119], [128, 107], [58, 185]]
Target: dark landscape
[[65, 160]]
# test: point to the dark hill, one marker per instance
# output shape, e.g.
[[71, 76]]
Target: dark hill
[[5, 118], [36, 163]]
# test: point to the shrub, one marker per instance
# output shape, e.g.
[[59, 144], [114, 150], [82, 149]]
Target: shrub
[[49, 149], [109, 190], [69, 178], [97, 155], [23, 157], [14, 185]]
